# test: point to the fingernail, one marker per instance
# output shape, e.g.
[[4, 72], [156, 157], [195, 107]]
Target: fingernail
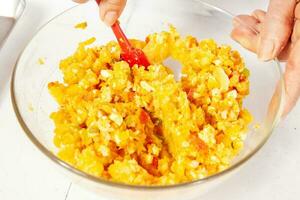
[[267, 50], [110, 18]]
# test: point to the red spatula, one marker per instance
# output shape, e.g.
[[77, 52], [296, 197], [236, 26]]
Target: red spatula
[[129, 54]]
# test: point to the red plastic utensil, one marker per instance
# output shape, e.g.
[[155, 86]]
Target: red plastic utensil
[[129, 54]]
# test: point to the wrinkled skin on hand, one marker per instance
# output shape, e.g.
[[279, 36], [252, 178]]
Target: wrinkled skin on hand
[[275, 33]]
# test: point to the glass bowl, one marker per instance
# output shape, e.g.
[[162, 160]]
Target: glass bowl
[[58, 39]]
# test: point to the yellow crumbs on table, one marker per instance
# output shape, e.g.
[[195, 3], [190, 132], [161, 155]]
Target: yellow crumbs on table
[[30, 107], [41, 61], [81, 25], [143, 127]]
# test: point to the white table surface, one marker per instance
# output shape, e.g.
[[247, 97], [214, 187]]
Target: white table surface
[[273, 174]]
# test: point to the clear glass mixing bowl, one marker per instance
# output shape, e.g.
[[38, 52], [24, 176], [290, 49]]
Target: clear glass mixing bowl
[[58, 39]]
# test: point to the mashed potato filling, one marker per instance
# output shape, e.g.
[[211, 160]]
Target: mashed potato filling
[[143, 127]]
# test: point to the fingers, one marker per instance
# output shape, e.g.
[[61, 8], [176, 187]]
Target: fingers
[[277, 28], [268, 34], [292, 78], [246, 31], [246, 37], [248, 21], [110, 10], [296, 31], [80, 1]]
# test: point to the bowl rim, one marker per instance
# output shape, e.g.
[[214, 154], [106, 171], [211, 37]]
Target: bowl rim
[[99, 180]]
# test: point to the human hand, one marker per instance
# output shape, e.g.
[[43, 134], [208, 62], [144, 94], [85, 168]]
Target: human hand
[[275, 33], [110, 10]]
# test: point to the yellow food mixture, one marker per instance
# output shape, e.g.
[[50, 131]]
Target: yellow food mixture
[[141, 126]]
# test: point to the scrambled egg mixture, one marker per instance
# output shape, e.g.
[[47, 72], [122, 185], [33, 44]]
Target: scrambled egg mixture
[[140, 126]]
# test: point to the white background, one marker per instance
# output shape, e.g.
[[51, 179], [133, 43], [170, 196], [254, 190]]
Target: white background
[[25, 174]]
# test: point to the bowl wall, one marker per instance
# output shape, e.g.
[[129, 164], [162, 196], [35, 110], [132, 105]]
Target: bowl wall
[[58, 39]]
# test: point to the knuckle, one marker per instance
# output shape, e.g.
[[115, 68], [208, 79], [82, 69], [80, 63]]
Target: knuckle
[[259, 15]]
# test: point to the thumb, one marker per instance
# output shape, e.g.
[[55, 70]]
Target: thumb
[[110, 10], [292, 80], [277, 28]]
